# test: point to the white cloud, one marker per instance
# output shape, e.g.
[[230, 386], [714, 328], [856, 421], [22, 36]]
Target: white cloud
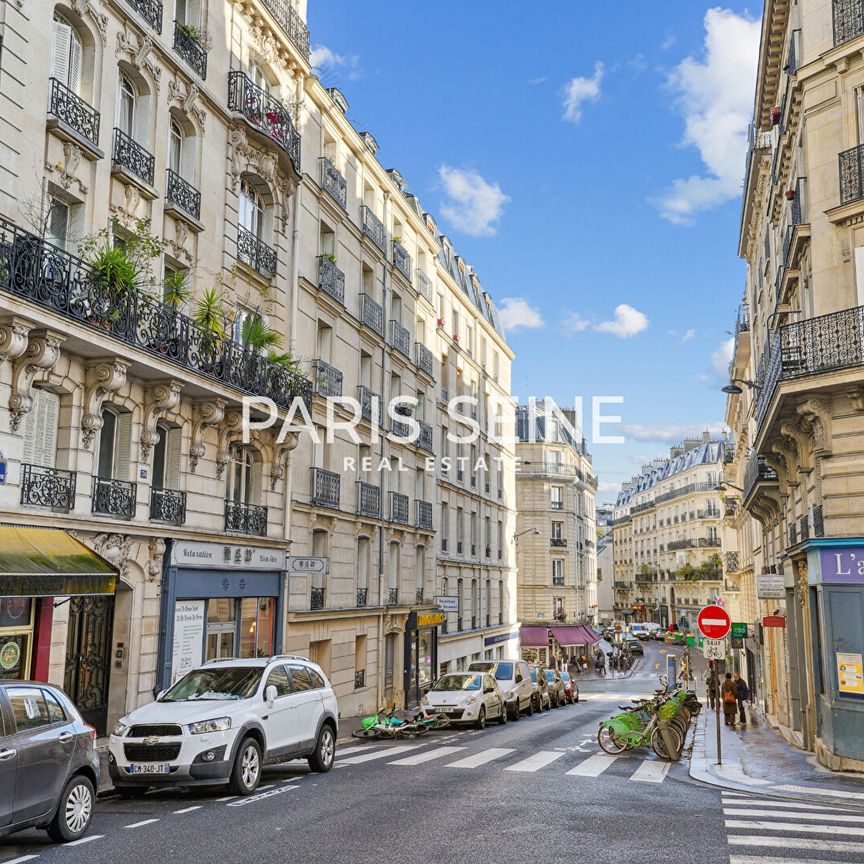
[[626, 323], [573, 322], [581, 90], [475, 205], [721, 359], [688, 335], [517, 312], [670, 434], [716, 98], [325, 59], [668, 42]]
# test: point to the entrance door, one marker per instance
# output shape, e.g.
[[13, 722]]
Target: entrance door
[[88, 657]]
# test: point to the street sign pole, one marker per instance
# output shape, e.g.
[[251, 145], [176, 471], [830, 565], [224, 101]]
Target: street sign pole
[[714, 623], [717, 718]]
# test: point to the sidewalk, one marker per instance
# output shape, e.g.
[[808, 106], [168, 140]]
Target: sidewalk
[[758, 760]]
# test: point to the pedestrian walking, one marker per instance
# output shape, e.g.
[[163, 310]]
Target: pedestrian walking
[[742, 693], [599, 664], [728, 695], [711, 685]]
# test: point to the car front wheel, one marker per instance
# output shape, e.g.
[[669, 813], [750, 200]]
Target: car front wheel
[[481, 718], [74, 811], [325, 751], [246, 774]]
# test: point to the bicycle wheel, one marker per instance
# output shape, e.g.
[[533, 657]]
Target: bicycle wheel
[[609, 742], [371, 732], [659, 744], [442, 721]]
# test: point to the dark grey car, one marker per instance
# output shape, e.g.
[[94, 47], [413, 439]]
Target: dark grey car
[[49, 767]]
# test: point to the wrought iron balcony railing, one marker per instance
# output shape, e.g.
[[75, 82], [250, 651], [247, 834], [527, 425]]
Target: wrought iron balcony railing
[[167, 505], [190, 49], [424, 286], [401, 260], [373, 228], [129, 154], [848, 20], [424, 439], [400, 428], [393, 597], [400, 338], [424, 359], [326, 379], [150, 11], [362, 597], [418, 596], [370, 404], [183, 194], [246, 518], [48, 487], [73, 111], [325, 488], [254, 252], [113, 498], [368, 500], [36, 271], [756, 470], [399, 508], [316, 598], [265, 112], [359, 679], [851, 164], [423, 513], [293, 25], [331, 279], [372, 314], [559, 542], [333, 182]]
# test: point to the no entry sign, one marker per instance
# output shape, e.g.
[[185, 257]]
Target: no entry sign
[[714, 622]]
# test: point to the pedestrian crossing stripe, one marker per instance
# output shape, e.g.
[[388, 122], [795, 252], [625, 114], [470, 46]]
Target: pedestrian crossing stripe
[[831, 817], [795, 843], [536, 761], [593, 766], [790, 826]]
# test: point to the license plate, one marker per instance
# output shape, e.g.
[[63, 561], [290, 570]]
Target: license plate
[[150, 768]]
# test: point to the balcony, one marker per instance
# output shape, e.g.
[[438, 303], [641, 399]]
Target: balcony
[[74, 118], [183, 195], [168, 506], [399, 508], [851, 174], [255, 253], [392, 596], [333, 183], [246, 518], [848, 20], [423, 514], [401, 260], [265, 114], [150, 11], [425, 287], [325, 488], [373, 228], [46, 276], [331, 280], [291, 23], [372, 314], [129, 157], [558, 581], [558, 542], [114, 498], [418, 596], [423, 359], [316, 599], [368, 500], [362, 597], [400, 338], [190, 49], [47, 487], [370, 404], [400, 429], [755, 472], [326, 379], [424, 439]]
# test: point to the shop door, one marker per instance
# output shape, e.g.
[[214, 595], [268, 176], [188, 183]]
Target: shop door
[[88, 657]]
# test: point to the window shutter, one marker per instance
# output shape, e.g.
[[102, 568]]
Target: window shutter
[[173, 445], [255, 495], [122, 446], [60, 60], [40, 429], [74, 63]]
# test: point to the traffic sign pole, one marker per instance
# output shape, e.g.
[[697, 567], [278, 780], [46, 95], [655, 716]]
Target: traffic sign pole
[[714, 623]]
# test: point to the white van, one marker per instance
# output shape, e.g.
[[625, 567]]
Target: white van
[[655, 631], [640, 631]]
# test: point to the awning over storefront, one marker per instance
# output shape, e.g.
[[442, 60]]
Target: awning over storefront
[[534, 637], [575, 634], [47, 562]]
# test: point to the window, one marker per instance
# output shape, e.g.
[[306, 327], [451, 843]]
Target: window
[[128, 98], [40, 429], [56, 714], [244, 476], [279, 679], [166, 458], [114, 441], [557, 571], [259, 79], [57, 228], [29, 708], [175, 147], [66, 56], [557, 530], [304, 678], [363, 559], [251, 214], [557, 497], [188, 12]]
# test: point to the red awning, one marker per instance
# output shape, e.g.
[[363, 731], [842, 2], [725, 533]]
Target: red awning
[[592, 636], [569, 636], [534, 637]]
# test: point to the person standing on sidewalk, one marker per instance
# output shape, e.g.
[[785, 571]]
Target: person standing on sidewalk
[[742, 693], [711, 684], [729, 696]]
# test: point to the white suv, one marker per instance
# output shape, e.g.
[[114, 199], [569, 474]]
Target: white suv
[[222, 722], [514, 679]]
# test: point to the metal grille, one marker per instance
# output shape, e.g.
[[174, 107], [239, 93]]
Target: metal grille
[[113, 497], [818, 522], [373, 228], [399, 508], [424, 514], [368, 400], [325, 488], [424, 285], [327, 379], [424, 359], [48, 487], [400, 338], [252, 251], [183, 194], [316, 598], [190, 49], [331, 279], [362, 594], [756, 470], [372, 314], [368, 499], [333, 182], [393, 597], [168, 505], [151, 753], [246, 518], [293, 25], [150, 11], [164, 730], [424, 439], [359, 679], [74, 112], [848, 20], [88, 657], [129, 154], [851, 174], [402, 260]]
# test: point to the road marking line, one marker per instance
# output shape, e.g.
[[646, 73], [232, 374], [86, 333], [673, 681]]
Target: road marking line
[[21, 859], [141, 824], [787, 805], [788, 826], [481, 758], [593, 766], [254, 798], [747, 811], [378, 754], [536, 761], [81, 842], [818, 790], [226, 798], [187, 809], [350, 749], [651, 771], [795, 843], [262, 788], [427, 756], [758, 859]]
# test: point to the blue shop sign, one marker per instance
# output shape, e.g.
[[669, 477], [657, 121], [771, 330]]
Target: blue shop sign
[[501, 637], [842, 565]]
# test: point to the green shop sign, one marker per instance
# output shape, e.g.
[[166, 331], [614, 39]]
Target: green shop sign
[[739, 630]]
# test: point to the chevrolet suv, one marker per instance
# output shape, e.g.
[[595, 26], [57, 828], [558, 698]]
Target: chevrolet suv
[[223, 722]]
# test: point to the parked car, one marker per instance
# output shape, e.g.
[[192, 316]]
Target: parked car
[[655, 631], [640, 631], [467, 697], [633, 644], [222, 722], [556, 688], [541, 688], [49, 767], [571, 688], [514, 679]]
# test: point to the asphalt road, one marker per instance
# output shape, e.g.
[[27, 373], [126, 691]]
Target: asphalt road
[[511, 800]]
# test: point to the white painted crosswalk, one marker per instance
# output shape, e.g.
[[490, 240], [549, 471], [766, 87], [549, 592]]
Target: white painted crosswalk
[[536, 761], [593, 766], [481, 758]]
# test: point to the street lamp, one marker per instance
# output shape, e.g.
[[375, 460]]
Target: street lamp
[[722, 487], [523, 533], [733, 389]]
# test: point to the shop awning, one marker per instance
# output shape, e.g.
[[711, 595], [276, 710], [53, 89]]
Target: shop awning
[[48, 562], [534, 637], [575, 634]]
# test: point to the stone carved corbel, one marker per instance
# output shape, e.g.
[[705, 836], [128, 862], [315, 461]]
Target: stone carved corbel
[[205, 414], [283, 450], [41, 354], [141, 54], [156, 551], [816, 414], [798, 436], [232, 428], [162, 397], [855, 395], [99, 18], [104, 377], [14, 336], [777, 461], [188, 100]]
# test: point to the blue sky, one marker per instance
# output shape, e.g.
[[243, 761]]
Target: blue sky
[[587, 160]]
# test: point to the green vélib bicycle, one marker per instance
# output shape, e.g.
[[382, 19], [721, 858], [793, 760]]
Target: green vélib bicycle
[[639, 726]]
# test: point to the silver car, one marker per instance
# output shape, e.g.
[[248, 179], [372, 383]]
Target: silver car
[[49, 767]]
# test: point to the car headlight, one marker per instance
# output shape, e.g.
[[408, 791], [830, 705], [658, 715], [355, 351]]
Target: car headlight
[[120, 729], [222, 724], [425, 701], [470, 700]]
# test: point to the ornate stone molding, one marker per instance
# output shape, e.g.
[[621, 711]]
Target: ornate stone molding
[[41, 355], [799, 437], [93, 10], [283, 450], [162, 397], [67, 170], [177, 246], [232, 428], [777, 461], [104, 377], [116, 549], [156, 552], [816, 414], [205, 414], [14, 334], [188, 100], [140, 52], [855, 395]]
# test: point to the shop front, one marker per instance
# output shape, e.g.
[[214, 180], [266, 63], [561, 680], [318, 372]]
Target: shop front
[[534, 644], [219, 600], [421, 653], [573, 643]]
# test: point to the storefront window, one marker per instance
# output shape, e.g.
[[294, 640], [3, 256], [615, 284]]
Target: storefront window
[[424, 660], [247, 624], [256, 627], [16, 637], [221, 628]]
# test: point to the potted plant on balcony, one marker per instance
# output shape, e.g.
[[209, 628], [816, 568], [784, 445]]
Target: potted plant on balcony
[[197, 35], [210, 316]]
